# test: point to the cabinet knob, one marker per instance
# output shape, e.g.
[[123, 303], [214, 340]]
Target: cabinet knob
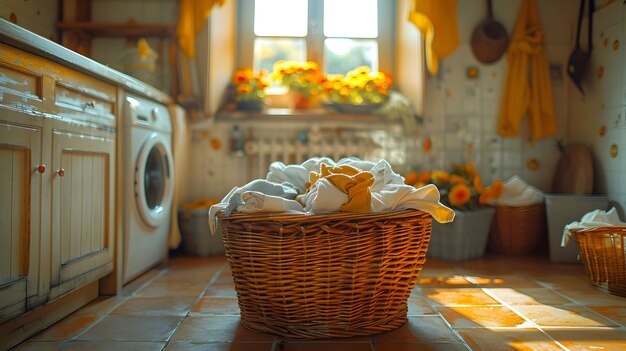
[[61, 172], [90, 104], [41, 169]]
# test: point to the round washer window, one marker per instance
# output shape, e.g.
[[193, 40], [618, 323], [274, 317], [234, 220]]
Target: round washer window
[[154, 178]]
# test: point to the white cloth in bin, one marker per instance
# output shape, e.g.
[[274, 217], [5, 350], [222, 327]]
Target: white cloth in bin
[[324, 196], [255, 201], [518, 193], [597, 218]]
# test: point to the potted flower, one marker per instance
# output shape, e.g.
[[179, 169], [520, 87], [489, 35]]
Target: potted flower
[[302, 79], [249, 88], [462, 190], [360, 90]]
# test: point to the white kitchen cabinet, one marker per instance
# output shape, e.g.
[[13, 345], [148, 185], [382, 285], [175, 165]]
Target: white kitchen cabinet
[[21, 174], [57, 229]]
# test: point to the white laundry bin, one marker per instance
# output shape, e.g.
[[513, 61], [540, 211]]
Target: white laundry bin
[[196, 239], [565, 209]]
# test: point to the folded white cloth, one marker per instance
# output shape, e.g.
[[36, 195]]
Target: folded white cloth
[[518, 193], [395, 197], [297, 175], [597, 218], [255, 201], [324, 196]]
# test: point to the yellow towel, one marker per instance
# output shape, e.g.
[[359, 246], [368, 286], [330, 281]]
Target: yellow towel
[[437, 21], [191, 18], [351, 181], [527, 89]]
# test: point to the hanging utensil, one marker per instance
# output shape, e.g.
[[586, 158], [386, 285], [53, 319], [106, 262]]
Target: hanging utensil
[[489, 39], [578, 58]]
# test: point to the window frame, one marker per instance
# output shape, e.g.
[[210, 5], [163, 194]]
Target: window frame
[[315, 34]]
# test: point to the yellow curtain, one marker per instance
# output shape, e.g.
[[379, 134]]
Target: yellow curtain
[[191, 18], [527, 90], [437, 21]]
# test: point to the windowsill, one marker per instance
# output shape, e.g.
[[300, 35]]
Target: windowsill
[[291, 115]]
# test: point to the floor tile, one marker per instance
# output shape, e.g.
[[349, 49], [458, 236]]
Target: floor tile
[[457, 346], [66, 329], [614, 313], [112, 346], [422, 329], [221, 346], [132, 328], [481, 316], [155, 306], [418, 306], [570, 316], [561, 281], [527, 339], [139, 282], [176, 289], [578, 339], [447, 281], [101, 306], [221, 290], [217, 329], [524, 296], [592, 297], [217, 306], [38, 346], [459, 297], [298, 346], [509, 281]]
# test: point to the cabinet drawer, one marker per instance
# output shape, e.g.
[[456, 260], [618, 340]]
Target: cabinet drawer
[[19, 89], [85, 103]]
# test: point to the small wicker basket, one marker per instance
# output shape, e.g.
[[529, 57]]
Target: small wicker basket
[[517, 230], [325, 275], [602, 251]]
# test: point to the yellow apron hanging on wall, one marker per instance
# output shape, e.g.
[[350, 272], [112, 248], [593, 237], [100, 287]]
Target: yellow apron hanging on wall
[[527, 89], [436, 20]]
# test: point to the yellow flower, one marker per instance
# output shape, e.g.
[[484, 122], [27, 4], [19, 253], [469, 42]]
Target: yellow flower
[[478, 184], [440, 177], [485, 196], [459, 195], [457, 179]]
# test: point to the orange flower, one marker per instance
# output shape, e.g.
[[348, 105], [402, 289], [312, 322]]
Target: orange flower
[[410, 178], [498, 188], [459, 195], [424, 177], [485, 197], [478, 184]]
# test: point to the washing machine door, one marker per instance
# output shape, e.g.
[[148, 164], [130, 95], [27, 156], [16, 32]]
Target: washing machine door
[[154, 180]]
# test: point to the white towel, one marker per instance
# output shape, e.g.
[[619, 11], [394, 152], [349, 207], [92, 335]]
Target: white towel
[[518, 193], [395, 197], [597, 218], [324, 196], [255, 201]]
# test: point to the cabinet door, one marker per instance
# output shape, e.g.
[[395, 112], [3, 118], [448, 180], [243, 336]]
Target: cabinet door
[[20, 201], [82, 208]]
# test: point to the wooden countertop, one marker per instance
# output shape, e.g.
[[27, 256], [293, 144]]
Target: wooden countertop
[[21, 38]]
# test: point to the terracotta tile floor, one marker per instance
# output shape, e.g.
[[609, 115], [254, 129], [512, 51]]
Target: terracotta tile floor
[[495, 303]]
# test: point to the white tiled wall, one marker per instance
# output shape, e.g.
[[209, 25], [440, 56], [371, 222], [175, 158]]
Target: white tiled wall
[[461, 113], [604, 106], [38, 16]]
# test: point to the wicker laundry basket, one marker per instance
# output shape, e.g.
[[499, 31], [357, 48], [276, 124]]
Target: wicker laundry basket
[[602, 251], [517, 230], [325, 275]]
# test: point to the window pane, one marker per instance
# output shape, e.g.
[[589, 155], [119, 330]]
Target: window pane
[[351, 18], [280, 18], [269, 50], [343, 55]]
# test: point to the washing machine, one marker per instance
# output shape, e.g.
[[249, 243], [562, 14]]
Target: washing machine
[[148, 179]]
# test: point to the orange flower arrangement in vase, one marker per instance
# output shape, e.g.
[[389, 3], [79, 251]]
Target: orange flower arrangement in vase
[[249, 88], [302, 79]]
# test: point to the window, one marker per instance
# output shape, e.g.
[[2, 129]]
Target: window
[[339, 35]]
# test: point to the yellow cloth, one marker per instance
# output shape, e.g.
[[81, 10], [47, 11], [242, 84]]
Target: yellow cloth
[[351, 181], [527, 89], [191, 17], [437, 21]]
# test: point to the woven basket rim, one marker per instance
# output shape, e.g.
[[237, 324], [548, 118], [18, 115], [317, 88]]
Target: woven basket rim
[[326, 215], [602, 229]]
